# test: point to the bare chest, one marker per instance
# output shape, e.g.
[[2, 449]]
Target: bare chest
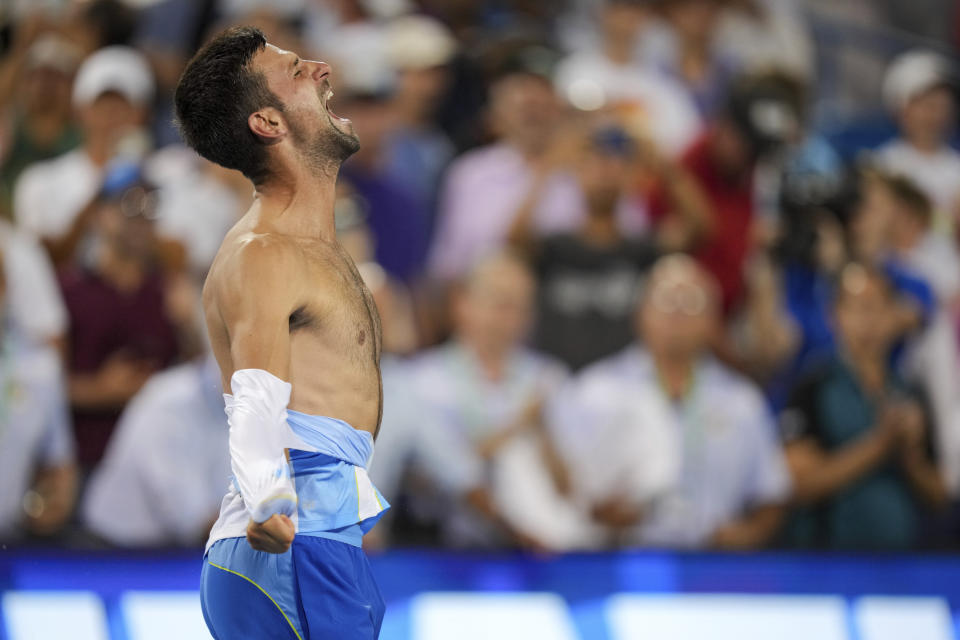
[[338, 308]]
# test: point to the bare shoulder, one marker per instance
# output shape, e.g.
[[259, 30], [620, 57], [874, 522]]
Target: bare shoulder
[[254, 266]]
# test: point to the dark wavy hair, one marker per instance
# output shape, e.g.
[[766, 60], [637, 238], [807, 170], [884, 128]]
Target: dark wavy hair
[[216, 95]]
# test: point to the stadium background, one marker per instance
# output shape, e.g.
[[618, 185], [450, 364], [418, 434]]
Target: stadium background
[[525, 167]]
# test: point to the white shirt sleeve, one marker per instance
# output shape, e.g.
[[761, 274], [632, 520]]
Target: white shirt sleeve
[[768, 481], [35, 301], [57, 445]]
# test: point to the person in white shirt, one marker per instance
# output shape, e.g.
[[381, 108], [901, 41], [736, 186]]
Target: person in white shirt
[[165, 470], [608, 76], [918, 91], [483, 392], [34, 302], [111, 94], [674, 448], [38, 475]]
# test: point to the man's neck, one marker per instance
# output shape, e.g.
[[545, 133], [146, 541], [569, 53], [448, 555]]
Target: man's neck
[[125, 273], [300, 204], [871, 371], [675, 373], [924, 145], [492, 361], [600, 230]]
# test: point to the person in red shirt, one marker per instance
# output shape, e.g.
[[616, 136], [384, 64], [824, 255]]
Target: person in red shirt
[[122, 320], [762, 114]]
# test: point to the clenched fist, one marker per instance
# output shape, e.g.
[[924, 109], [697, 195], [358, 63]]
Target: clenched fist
[[273, 535]]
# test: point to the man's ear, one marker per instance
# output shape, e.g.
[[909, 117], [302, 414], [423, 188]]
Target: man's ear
[[268, 124]]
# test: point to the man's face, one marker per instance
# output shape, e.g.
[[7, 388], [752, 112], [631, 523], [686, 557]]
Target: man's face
[[928, 117], [127, 225], [678, 313], [496, 309], [870, 227], [45, 89], [111, 113], [603, 175], [303, 86], [864, 313], [524, 109]]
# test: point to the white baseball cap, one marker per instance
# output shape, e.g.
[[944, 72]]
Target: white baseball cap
[[115, 68], [913, 73], [419, 42]]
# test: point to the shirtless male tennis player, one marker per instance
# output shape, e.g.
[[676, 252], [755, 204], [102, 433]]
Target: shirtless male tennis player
[[297, 337]]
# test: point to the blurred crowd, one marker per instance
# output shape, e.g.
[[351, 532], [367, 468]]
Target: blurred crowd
[[651, 273]]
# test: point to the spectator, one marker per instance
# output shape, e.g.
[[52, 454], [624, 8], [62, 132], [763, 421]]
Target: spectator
[[111, 94], [906, 215], [123, 327], [688, 52], [892, 228], [189, 184], [676, 449], [526, 167], [609, 77], [162, 477], [589, 279], [919, 91], [37, 470], [35, 308], [859, 444], [487, 390], [35, 110], [416, 151], [762, 114], [397, 216]]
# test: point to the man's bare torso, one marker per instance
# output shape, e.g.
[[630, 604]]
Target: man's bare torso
[[334, 327]]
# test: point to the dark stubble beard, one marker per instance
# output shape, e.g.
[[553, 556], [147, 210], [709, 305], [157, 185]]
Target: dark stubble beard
[[326, 149]]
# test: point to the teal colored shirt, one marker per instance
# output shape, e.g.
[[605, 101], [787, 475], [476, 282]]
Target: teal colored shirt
[[879, 510]]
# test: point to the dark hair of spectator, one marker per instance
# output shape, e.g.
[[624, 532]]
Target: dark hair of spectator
[[908, 194], [216, 95], [114, 21]]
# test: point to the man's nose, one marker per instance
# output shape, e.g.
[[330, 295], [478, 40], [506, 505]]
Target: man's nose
[[320, 70]]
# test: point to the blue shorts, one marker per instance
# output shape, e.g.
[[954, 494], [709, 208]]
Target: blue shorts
[[320, 588]]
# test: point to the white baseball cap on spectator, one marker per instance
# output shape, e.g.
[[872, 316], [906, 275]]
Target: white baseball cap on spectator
[[912, 74], [115, 68], [419, 42]]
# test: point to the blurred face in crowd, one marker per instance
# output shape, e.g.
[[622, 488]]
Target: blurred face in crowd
[[126, 224], [495, 308], [304, 89], [524, 111], [864, 312], [45, 89], [373, 117], [110, 114], [422, 87], [927, 119], [603, 172], [621, 20], [679, 309], [730, 149], [693, 20], [872, 221]]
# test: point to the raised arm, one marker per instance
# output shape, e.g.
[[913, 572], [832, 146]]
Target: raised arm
[[254, 293]]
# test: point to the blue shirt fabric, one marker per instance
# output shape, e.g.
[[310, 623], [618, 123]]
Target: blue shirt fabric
[[808, 298], [397, 219]]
